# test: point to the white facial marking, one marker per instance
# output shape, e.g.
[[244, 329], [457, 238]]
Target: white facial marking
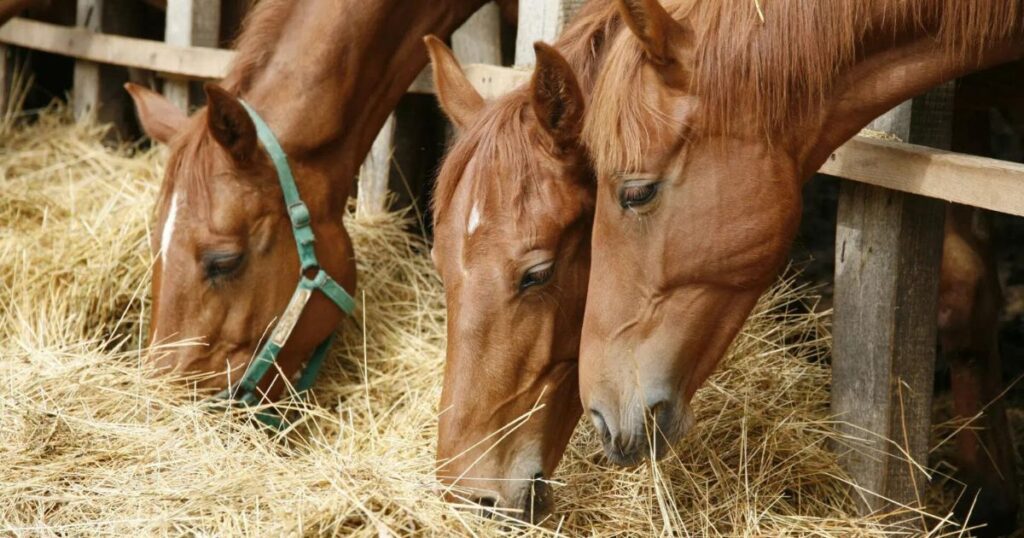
[[168, 231], [474, 220]]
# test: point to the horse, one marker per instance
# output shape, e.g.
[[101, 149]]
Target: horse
[[706, 120], [323, 75], [513, 207]]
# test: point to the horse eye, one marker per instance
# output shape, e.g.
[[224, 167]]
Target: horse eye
[[537, 275], [638, 193], [219, 265]]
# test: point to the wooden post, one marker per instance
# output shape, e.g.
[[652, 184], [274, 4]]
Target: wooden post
[[888, 254], [7, 88], [87, 83], [98, 89], [541, 20], [190, 23]]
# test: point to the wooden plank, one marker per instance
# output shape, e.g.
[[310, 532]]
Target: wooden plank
[[541, 20], [193, 62], [190, 23], [888, 254], [478, 40], [976, 181], [196, 62]]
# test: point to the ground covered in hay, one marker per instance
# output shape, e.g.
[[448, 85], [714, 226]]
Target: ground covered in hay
[[92, 444]]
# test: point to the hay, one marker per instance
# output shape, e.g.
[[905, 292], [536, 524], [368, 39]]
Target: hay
[[92, 444]]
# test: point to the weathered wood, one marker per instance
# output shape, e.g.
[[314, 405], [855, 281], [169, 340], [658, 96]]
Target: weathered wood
[[81, 43], [976, 181], [541, 20], [190, 23], [202, 63], [478, 40], [888, 253]]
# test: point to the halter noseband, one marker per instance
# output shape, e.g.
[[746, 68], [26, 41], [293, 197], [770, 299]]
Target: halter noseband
[[244, 391]]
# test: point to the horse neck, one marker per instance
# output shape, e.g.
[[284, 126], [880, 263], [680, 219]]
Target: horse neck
[[898, 61], [336, 69]]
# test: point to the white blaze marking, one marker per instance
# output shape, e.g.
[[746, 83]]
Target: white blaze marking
[[474, 220], [168, 231]]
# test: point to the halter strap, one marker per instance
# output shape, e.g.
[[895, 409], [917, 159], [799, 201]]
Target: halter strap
[[244, 391]]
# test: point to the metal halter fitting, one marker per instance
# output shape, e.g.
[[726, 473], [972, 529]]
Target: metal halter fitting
[[244, 391]]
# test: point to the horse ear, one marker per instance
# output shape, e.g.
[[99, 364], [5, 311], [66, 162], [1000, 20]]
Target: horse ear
[[160, 118], [229, 123], [662, 36], [556, 96], [459, 99]]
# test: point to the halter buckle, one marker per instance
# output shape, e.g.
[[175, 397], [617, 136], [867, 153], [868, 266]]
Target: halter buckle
[[299, 214]]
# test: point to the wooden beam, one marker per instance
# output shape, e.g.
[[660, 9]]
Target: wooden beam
[[888, 253], [976, 181], [84, 44], [202, 63], [190, 23]]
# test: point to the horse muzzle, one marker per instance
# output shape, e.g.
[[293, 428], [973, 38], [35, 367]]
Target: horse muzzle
[[643, 433]]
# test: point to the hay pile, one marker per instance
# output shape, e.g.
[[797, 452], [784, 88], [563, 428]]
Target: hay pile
[[91, 444]]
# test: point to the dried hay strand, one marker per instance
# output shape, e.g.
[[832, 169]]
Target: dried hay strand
[[93, 444]]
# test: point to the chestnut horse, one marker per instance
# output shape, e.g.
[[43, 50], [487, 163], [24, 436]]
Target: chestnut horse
[[513, 209], [706, 120], [324, 74]]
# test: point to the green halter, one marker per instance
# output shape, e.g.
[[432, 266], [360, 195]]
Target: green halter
[[244, 391]]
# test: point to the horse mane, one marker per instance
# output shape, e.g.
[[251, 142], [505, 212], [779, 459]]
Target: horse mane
[[261, 31], [508, 124], [774, 70]]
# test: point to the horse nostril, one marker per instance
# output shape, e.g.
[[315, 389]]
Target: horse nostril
[[656, 408], [601, 426], [486, 504]]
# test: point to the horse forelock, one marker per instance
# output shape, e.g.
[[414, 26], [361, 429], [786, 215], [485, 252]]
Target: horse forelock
[[506, 135], [763, 75], [505, 143], [190, 166]]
